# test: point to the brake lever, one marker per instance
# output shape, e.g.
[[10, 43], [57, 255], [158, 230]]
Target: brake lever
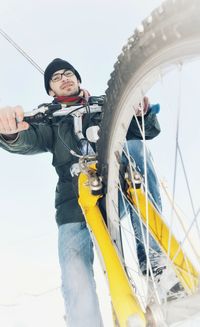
[[42, 114]]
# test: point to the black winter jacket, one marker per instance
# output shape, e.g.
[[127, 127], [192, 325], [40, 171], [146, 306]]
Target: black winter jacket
[[44, 138]]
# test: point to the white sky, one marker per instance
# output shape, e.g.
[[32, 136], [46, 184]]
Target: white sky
[[90, 35]]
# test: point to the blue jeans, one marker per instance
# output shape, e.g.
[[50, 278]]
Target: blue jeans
[[135, 149], [78, 284]]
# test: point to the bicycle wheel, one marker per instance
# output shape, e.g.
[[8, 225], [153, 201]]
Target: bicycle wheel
[[163, 49]]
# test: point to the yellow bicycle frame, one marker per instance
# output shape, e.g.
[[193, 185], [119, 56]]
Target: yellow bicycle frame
[[124, 300]]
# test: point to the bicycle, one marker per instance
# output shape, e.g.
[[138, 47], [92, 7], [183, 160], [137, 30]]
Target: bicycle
[[172, 41]]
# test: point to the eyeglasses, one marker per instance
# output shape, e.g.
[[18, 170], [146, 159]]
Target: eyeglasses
[[58, 76]]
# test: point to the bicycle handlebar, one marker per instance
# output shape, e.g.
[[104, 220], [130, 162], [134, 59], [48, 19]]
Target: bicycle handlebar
[[46, 112]]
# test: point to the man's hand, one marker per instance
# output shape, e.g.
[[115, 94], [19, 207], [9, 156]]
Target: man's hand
[[142, 107], [11, 121], [84, 93]]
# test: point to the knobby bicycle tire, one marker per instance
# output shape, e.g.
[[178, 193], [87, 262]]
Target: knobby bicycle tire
[[163, 38], [170, 35]]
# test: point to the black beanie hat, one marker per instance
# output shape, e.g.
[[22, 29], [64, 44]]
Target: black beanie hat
[[55, 65]]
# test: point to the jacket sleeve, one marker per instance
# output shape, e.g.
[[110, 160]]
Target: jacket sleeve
[[152, 127], [37, 139]]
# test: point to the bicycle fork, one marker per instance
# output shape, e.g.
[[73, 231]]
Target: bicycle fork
[[184, 268], [125, 304]]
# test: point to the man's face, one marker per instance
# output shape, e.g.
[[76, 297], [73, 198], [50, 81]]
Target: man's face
[[64, 83]]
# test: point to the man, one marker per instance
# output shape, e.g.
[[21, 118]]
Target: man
[[75, 246]]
